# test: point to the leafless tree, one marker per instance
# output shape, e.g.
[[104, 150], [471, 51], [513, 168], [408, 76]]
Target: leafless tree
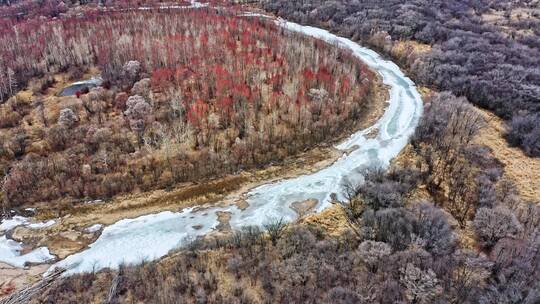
[[275, 229]]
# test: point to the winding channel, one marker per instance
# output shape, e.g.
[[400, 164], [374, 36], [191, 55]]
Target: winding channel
[[152, 236]]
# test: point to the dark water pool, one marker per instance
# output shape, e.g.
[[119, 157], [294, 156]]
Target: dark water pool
[[80, 86]]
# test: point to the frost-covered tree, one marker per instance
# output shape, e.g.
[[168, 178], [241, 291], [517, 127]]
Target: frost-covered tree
[[130, 72], [492, 225], [137, 112], [3, 86], [372, 252], [524, 130], [421, 286], [67, 118], [11, 81], [132, 68], [433, 229]]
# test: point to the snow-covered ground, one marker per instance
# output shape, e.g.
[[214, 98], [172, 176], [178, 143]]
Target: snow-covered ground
[[152, 236]]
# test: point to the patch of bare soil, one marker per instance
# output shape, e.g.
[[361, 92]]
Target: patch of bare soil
[[523, 170], [304, 207], [12, 278]]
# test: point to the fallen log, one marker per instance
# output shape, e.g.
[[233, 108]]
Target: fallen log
[[24, 295]]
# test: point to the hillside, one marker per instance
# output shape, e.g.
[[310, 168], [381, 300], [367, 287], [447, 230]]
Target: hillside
[[270, 151], [210, 95], [397, 240], [504, 80]]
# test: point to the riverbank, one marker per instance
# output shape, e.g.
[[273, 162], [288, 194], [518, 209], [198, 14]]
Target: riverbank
[[372, 146], [129, 241], [69, 234]]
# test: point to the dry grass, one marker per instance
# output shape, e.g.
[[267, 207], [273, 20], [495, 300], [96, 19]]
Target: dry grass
[[333, 220], [13, 278], [504, 19], [402, 48], [523, 170]]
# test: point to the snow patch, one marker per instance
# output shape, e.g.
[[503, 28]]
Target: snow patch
[[40, 225], [94, 228], [10, 250], [10, 253], [8, 224], [94, 81]]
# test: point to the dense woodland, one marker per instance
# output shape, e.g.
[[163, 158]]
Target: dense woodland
[[188, 94], [486, 50], [20, 10], [469, 239], [476, 242]]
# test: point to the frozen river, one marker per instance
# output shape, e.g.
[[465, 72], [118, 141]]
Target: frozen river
[[152, 236]]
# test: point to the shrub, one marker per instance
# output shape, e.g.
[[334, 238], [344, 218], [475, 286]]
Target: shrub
[[67, 118], [524, 131], [436, 235], [491, 225], [372, 253]]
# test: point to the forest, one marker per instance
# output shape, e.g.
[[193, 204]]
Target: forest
[[191, 95], [477, 243], [186, 95], [485, 50]]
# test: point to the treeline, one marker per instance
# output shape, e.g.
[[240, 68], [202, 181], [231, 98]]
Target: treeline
[[188, 94], [16, 11], [476, 242], [485, 50]]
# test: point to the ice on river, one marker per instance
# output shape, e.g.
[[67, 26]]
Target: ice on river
[[10, 253], [10, 250], [8, 224], [79, 86], [16, 221], [152, 236], [147, 237]]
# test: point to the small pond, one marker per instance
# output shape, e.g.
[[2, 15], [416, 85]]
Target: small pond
[[80, 86]]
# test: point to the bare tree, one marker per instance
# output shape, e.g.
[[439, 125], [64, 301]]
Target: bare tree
[[421, 286], [275, 229], [492, 225], [137, 112], [11, 81], [372, 253]]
